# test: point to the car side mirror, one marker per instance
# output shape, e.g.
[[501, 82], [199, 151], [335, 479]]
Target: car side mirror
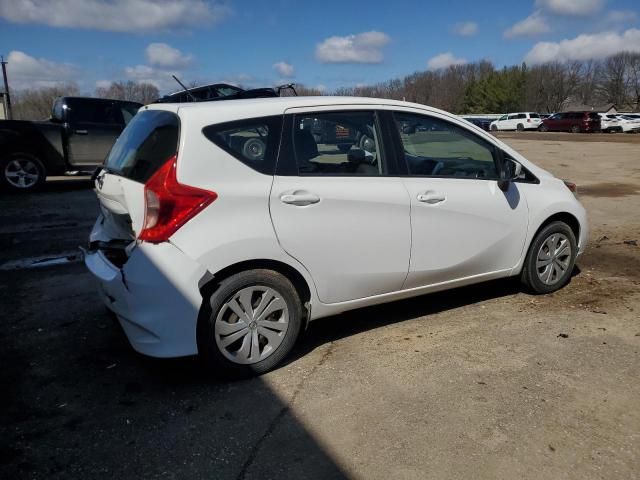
[[511, 170]]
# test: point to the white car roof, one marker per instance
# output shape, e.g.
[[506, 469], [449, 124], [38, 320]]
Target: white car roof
[[257, 107]]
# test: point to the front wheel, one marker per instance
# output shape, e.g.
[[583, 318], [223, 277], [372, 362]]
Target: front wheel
[[543, 128], [550, 260], [22, 172], [253, 323], [520, 127], [494, 128]]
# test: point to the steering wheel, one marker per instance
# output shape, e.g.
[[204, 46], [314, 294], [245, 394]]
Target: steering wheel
[[439, 166]]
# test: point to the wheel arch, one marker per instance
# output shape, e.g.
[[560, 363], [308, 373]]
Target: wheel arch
[[566, 217], [563, 216], [211, 282]]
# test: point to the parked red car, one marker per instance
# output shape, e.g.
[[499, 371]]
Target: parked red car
[[575, 122]]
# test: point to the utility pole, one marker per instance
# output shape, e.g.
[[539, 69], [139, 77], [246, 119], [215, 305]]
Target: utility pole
[[6, 88]]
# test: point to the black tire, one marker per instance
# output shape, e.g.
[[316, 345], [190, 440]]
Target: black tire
[[543, 128], [214, 358], [494, 128], [9, 168], [529, 275], [575, 129], [520, 127]]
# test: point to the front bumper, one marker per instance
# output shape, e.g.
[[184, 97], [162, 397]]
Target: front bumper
[[155, 296]]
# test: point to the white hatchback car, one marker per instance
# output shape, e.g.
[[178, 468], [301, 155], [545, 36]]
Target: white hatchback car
[[226, 227], [517, 121]]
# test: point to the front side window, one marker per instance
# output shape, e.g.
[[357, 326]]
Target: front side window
[[439, 148], [337, 143], [254, 141], [504, 117]]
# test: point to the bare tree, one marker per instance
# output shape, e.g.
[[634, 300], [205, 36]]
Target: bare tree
[[36, 103], [141, 92], [614, 79]]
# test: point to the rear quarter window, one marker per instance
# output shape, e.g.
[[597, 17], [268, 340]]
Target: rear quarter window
[[253, 142], [148, 141]]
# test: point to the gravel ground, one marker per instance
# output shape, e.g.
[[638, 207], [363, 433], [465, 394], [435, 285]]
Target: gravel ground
[[479, 382]]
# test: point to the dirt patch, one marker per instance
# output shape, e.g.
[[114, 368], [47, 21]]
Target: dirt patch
[[612, 190], [570, 137]]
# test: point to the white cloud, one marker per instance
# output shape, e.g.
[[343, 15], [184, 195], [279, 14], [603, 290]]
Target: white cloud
[[284, 69], [579, 8], [159, 78], [361, 48], [534, 24], [444, 60], [115, 15], [465, 29], [25, 71], [165, 56], [103, 83], [585, 47], [617, 17]]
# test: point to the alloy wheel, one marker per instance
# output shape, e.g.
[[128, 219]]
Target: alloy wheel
[[21, 173]]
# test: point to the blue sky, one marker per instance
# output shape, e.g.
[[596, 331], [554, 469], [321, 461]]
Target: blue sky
[[319, 43]]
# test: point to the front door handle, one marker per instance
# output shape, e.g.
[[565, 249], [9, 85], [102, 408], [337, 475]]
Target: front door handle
[[431, 197], [300, 199], [81, 132]]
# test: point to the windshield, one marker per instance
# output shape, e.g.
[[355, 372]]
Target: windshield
[[149, 140]]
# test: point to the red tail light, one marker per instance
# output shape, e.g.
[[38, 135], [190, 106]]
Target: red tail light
[[169, 204], [528, 120]]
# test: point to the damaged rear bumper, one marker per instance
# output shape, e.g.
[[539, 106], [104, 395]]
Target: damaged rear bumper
[[155, 296]]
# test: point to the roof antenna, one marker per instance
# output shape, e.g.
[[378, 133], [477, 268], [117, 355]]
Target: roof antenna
[[185, 88], [287, 86]]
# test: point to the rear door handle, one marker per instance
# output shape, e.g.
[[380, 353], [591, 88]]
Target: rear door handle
[[431, 197], [300, 199], [81, 132]]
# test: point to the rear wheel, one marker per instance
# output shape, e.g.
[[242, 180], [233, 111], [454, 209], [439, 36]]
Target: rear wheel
[[575, 129], [550, 260], [22, 172], [253, 323]]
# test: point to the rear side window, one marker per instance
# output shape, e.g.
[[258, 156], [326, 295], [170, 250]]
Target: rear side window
[[534, 115], [254, 141], [128, 111], [94, 111], [150, 139]]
